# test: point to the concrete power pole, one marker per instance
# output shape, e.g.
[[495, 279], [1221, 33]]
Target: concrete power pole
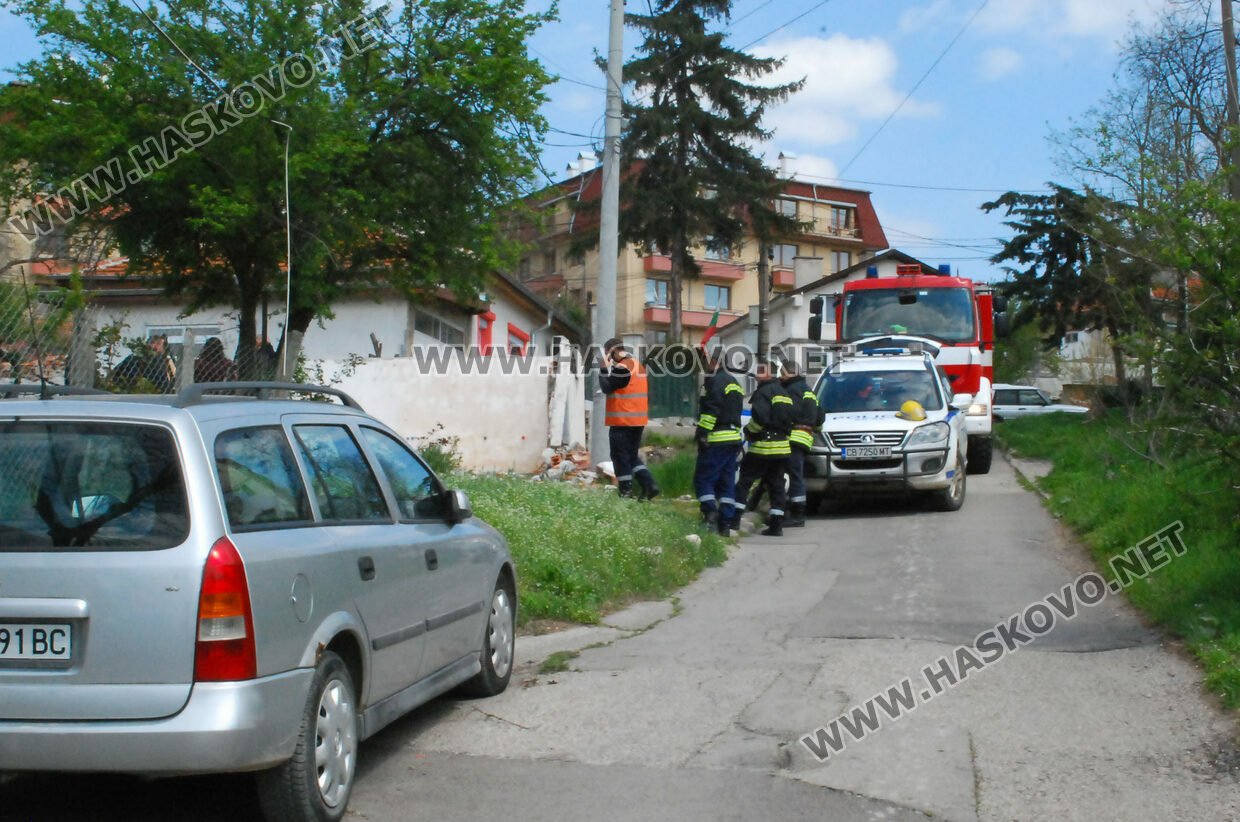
[[764, 287], [1233, 96], [609, 223]]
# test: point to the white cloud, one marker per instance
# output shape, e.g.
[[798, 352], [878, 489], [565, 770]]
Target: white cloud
[[847, 80], [922, 18], [812, 167], [998, 63]]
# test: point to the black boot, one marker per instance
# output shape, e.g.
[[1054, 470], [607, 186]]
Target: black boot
[[774, 526], [726, 527], [649, 488], [796, 517], [624, 488], [710, 519]]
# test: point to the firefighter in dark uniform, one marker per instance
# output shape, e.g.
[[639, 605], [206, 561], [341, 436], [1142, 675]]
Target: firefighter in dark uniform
[[623, 379], [807, 419], [772, 412], [719, 444]]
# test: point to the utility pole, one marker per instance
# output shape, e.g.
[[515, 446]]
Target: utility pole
[[609, 224], [764, 287], [1233, 97]]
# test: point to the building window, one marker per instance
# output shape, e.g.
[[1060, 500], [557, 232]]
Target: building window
[[523, 269], [840, 217], [840, 260], [656, 338], [717, 252], [656, 292], [787, 208], [1071, 337], [439, 329], [518, 340], [549, 262], [718, 296], [783, 255]]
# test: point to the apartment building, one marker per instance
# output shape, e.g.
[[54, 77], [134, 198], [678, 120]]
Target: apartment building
[[842, 230]]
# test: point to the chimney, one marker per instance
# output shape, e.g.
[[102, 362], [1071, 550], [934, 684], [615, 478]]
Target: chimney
[[786, 161]]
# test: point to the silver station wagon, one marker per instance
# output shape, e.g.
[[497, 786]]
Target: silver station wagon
[[214, 582]]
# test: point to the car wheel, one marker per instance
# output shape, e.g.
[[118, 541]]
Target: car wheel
[[315, 784], [981, 451], [951, 497], [498, 645]]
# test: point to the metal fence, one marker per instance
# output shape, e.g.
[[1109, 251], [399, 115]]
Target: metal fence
[[57, 337]]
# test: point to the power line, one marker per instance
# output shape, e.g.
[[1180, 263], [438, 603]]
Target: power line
[[919, 187], [916, 86], [749, 14], [800, 16]]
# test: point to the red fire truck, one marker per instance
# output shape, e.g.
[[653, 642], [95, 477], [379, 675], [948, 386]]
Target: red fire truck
[[952, 318]]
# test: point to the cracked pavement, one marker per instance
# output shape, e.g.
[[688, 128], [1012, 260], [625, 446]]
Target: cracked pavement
[[694, 710]]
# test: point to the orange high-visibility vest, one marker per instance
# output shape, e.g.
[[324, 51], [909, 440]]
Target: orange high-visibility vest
[[628, 406]]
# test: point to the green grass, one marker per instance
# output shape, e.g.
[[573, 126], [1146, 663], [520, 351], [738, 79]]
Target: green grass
[[675, 437], [558, 662], [1114, 497], [580, 551], [675, 474]]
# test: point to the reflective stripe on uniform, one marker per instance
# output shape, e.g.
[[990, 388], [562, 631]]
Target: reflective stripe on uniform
[[628, 406], [707, 421], [802, 438], [778, 398], [724, 435], [734, 386], [706, 498], [770, 448]]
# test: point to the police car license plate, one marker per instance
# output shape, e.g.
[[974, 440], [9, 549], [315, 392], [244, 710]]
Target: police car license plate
[[866, 452], [26, 641]]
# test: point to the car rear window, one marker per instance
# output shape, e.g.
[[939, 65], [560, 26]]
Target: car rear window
[[90, 486]]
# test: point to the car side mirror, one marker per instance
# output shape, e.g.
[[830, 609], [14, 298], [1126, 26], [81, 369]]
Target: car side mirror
[[962, 401], [459, 507]]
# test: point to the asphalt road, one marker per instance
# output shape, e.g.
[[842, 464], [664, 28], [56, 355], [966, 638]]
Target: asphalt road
[[695, 712]]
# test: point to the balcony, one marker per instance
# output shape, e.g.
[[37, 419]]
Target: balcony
[[783, 278], [689, 317], [825, 228], [711, 269]]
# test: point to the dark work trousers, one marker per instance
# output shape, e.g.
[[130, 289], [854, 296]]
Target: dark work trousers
[[768, 472], [796, 474], [624, 441], [714, 478]]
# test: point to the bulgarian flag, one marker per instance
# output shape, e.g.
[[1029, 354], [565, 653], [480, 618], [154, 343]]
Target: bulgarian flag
[[711, 329]]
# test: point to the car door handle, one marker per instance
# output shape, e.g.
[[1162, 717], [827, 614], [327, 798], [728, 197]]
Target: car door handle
[[366, 566], [432, 559]]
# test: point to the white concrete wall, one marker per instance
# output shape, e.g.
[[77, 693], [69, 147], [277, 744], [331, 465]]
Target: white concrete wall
[[349, 332], [500, 419]]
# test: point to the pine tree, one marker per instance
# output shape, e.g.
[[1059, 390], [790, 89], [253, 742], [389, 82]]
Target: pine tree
[[692, 175]]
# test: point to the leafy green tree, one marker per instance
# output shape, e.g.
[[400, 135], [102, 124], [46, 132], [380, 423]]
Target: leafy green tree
[[1075, 263], [403, 145], [1200, 365], [691, 174]]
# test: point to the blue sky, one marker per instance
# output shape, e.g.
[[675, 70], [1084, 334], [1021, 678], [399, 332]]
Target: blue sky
[[978, 120]]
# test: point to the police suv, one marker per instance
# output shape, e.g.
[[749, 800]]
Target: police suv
[[890, 426]]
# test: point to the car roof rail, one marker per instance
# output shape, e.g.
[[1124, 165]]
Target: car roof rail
[[47, 390], [198, 393]]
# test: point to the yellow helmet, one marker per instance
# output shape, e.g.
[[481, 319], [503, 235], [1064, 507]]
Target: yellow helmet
[[911, 410]]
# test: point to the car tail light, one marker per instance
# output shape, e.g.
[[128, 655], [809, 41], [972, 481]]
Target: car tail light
[[225, 648]]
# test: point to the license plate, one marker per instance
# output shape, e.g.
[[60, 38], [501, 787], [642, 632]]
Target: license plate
[[866, 452], [29, 641]]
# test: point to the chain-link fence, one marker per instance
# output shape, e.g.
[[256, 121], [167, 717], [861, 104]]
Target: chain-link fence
[[59, 338]]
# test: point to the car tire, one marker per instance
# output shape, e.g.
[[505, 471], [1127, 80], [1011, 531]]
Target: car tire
[[951, 498], [498, 644], [315, 784], [981, 453]]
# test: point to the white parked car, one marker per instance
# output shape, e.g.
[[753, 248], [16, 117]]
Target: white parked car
[[1013, 401], [871, 443]]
